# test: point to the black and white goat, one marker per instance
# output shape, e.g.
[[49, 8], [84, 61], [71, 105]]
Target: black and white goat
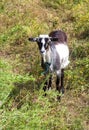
[[55, 53]]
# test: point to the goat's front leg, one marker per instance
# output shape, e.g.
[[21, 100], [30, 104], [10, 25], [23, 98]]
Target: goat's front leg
[[58, 83], [50, 82], [47, 84]]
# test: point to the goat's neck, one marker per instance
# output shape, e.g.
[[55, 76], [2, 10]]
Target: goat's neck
[[47, 56]]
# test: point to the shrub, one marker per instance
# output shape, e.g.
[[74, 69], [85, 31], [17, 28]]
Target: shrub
[[82, 19]]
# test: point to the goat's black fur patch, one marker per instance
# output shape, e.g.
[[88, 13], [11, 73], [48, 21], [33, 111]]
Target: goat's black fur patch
[[60, 35]]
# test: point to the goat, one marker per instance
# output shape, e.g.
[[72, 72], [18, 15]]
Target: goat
[[55, 54]]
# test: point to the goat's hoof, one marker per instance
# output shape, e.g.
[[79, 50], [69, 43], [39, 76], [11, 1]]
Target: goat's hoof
[[45, 94], [58, 98], [63, 90]]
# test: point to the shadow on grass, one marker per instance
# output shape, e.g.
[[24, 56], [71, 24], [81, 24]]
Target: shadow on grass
[[21, 93]]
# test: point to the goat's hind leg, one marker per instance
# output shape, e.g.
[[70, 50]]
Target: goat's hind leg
[[58, 81], [58, 87], [62, 81]]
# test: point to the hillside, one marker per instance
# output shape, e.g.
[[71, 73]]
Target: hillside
[[22, 104]]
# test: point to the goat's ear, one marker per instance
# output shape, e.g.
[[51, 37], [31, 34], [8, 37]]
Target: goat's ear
[[54, 39], [33, 39]]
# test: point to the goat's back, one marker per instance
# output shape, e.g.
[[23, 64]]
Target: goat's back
[[62, 37]]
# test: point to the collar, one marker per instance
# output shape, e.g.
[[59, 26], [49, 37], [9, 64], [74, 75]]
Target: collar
[[47, 65]]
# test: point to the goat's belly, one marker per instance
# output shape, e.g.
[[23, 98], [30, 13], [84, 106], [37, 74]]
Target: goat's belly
[[63, 52]]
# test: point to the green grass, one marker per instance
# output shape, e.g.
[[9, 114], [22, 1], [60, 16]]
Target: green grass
[[22, 104]]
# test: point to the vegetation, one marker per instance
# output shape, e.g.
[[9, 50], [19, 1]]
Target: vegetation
[[22, 104]]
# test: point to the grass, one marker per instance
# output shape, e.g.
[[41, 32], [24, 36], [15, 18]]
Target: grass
[[22, 104]]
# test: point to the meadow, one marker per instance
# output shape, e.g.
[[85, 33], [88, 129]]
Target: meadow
[[22, 104]]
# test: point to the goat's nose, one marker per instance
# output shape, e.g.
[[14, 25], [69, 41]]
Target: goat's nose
[[42, 51]]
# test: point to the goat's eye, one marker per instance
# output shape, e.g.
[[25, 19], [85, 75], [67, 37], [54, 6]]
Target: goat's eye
[[39, 42], [40, 39]]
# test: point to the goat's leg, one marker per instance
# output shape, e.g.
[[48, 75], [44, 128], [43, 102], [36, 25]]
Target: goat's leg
[[50, 82], [45, 87], [47, 84], [42, 63], [58, 87], [62, 81]]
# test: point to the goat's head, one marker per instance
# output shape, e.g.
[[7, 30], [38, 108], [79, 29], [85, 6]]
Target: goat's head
[[43, 42]]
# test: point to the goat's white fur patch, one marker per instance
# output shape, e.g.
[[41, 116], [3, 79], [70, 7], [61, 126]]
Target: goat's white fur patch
[[43, 36], [63, 52]]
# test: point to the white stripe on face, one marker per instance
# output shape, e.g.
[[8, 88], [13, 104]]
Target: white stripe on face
[[43, 44]]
